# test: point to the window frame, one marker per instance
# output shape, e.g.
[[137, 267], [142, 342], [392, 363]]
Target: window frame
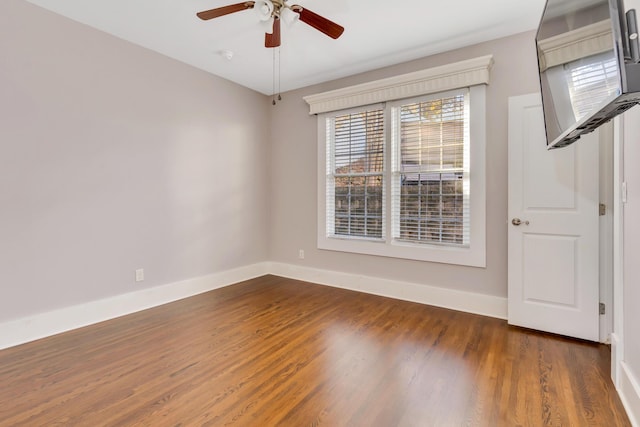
[[472, 255]]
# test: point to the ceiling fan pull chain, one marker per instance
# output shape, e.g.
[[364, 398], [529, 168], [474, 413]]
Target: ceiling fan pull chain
[[279, 74], [273, 89]]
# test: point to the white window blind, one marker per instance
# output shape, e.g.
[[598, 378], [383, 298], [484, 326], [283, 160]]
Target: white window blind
[[430, 190], [355, 174]]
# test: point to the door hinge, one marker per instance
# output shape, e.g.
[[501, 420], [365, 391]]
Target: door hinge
[[602, 308], [603, 209]]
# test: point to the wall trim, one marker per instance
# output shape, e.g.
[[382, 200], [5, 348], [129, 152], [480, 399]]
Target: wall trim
[[431, 80], [31, 328], [629, 391], [486, 305], [42, 325], [616, 359]]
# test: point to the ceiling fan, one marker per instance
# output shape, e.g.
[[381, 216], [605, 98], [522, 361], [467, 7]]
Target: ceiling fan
[[276, 9]]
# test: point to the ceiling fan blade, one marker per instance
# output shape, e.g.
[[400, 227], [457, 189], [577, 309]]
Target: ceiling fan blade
[[273, 39], [318, 22], [225, 10]]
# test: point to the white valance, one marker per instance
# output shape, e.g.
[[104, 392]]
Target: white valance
[[437, 79]]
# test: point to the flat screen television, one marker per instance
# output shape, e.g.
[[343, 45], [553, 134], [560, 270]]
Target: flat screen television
[[588, 66]]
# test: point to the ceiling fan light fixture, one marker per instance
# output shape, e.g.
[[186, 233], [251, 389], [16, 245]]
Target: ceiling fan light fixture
[[267, 25], [289, 16], [264, 9]]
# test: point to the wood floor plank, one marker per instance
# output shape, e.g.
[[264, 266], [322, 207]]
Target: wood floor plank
[[279, 352]]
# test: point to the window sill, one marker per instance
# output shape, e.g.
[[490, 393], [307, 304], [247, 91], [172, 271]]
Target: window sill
[[472, 256]]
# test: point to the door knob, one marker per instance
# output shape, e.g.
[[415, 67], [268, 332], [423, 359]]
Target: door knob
[[518, 221]]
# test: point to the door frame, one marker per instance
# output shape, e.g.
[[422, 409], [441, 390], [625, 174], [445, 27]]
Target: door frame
[[606, 228], [617, 324]]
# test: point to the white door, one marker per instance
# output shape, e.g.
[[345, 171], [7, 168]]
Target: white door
[[553, 227]]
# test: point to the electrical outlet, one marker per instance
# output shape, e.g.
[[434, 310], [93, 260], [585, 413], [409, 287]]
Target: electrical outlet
[[301, 254], [140, 275]]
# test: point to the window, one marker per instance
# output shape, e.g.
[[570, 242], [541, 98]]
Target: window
[[430, 181], [356, 165], [405, 177]]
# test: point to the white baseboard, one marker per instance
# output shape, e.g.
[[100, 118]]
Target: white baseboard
[[627, 385], [42, 325], [629, 391], [616, 358], [469, 302]]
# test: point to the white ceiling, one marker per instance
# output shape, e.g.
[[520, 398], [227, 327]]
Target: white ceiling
[[378, 33]]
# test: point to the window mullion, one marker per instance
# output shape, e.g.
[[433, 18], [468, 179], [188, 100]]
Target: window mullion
[[389, 175]]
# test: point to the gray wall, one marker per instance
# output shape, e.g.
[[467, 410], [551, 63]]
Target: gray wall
[[113, 158], [293, 186]]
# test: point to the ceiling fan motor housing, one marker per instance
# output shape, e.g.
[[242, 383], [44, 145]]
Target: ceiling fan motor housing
[[267, 9]]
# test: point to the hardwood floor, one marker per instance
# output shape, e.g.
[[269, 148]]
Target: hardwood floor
[[274, 351]]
